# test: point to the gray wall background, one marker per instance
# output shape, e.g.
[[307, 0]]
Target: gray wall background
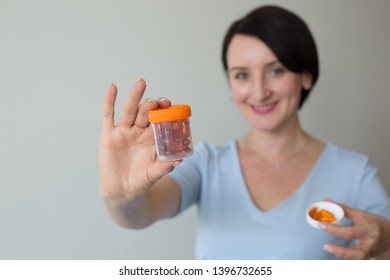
[[57, 59]]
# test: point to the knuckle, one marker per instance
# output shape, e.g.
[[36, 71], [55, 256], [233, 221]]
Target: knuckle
[[128, 112], [349, 234], [375, 230], [108, 115]]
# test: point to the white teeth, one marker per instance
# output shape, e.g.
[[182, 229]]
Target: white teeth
[[262, 107]]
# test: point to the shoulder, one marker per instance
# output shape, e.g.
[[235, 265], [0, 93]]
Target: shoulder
[[365, 190], [347, 166], [344, 157]]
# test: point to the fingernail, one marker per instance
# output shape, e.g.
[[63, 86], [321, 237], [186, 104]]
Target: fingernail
[[150, 100], [141, 79], [328, 248], [176, 164], [162, 99], [321, 226], [112, 84], [140, 84]]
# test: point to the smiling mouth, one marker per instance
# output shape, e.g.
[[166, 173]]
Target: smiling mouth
[[264, 109]]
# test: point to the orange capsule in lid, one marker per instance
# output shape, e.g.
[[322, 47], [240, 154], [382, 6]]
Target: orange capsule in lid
[[324, 211]]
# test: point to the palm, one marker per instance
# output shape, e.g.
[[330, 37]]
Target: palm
[[128, 164]]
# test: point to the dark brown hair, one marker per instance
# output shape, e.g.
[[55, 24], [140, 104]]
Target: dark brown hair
[[286, 34]]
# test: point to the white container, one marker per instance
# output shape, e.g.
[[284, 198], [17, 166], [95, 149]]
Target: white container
[[333, 208]]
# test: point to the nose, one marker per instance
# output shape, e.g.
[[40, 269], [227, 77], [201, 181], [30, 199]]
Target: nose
[[261, 91]]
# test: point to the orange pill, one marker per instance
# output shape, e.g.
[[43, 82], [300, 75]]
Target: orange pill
[[322, 215]]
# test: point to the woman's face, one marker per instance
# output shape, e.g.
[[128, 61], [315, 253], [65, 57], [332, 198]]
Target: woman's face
[[266, 93]]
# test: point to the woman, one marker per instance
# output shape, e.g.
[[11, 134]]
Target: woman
[[253, 192]]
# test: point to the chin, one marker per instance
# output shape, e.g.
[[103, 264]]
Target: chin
[[265, 127]]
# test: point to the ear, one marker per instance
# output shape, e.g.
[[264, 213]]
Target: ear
[[307, 81]]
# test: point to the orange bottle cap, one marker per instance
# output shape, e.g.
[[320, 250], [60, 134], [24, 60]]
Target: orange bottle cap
[[172, 113]]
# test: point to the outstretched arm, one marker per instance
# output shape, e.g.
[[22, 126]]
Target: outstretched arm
[[132, 183]]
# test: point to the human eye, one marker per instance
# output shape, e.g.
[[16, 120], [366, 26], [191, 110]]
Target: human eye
[[241, 75], [277, 71]]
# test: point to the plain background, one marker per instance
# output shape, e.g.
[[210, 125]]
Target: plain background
[[57, 59]]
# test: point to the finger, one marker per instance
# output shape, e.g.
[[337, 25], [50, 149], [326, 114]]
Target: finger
[[130, 109], [108, 108], [163, 102], [344, 252], [349, 212], [161, 168], [346, 232], [150, 104], [142, 115]]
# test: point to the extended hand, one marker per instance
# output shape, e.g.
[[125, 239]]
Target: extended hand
[[371, 231], [127, 158]]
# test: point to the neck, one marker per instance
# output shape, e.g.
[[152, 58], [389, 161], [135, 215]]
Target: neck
[[277, 146]]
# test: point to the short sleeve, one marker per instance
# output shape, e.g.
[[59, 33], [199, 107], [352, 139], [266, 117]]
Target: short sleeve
[[373, 197], [188, 176]]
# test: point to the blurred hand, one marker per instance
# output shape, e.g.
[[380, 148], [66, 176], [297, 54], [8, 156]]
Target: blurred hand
[[127, 156], [371, 231]]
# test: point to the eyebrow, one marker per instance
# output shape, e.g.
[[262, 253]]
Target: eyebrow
[[240, 68], [237, 68]]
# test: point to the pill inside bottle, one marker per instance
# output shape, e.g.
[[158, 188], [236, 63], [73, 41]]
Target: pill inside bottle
[[172, 134]]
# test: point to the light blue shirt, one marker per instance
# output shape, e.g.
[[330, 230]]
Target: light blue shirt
[[231, 226]]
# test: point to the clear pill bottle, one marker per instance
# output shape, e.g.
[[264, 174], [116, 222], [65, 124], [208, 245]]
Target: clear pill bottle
[[172, 134]]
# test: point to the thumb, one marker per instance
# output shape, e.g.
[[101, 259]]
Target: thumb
[[161, 168], [349, 212]]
